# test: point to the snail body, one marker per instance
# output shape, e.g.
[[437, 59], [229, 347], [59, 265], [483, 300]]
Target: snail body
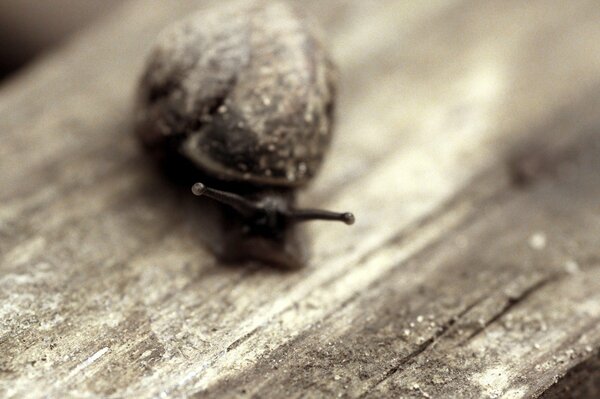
[[246, 95]]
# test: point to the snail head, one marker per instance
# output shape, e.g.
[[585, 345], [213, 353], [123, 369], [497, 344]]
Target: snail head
[[269, 213]]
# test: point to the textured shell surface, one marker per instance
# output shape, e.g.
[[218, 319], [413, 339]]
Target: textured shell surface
[[246, 93]]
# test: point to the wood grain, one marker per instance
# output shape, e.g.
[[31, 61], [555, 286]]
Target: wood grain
[[467, 147]]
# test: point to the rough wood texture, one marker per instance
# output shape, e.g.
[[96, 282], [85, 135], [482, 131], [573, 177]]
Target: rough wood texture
[[468, 146]]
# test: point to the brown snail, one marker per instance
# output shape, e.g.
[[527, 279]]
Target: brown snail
[[246, 94]]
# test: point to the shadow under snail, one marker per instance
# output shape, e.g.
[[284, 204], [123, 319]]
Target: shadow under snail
[[246, 94]]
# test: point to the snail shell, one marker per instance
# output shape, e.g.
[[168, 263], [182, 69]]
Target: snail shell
[[246, 94]]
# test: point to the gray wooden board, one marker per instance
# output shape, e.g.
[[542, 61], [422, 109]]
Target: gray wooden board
[[467, 145]]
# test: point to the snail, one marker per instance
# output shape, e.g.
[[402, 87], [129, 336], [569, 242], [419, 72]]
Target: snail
[[246, 94]]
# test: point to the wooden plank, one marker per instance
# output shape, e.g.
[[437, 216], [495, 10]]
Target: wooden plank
[[484, 313], [110, 288]]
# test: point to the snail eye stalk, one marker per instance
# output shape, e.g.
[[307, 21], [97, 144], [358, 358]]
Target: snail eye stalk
[[249, 208], [304, 215], [237, 202]]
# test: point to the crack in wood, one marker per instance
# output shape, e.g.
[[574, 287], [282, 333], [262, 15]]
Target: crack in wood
[[242, 339], [511, 302], [428, 344]]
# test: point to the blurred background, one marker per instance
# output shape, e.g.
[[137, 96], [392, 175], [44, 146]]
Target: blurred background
[[28, 27]]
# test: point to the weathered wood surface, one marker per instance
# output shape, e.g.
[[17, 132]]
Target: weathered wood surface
[[468, 146]]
